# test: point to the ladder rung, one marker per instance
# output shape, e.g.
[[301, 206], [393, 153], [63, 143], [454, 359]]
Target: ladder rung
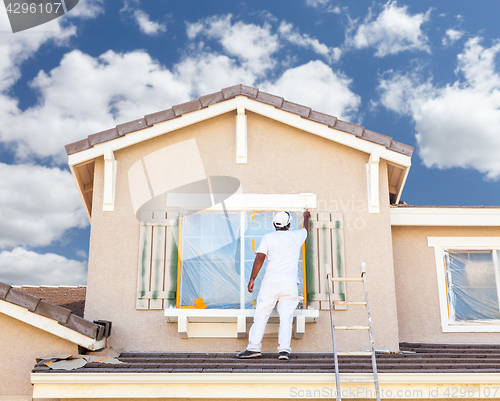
[[348, 303], [352, 328], [345, 279]]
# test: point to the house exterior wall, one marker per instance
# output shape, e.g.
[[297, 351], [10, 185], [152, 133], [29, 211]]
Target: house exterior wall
[[417, 287], [281, 159], [20, 345]]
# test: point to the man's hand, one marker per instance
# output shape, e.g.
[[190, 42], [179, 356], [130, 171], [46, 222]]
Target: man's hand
[[251, 283], [307, 216]]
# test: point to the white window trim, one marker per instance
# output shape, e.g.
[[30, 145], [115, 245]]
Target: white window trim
[[229, 323], [271, 202], [440, 245], [232, 323]]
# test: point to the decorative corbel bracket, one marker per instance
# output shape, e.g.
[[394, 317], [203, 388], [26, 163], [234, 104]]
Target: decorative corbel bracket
[[109, 181], [372, 176], [241, 133]]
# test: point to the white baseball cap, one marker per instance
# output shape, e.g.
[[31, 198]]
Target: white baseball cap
[[282, 219]]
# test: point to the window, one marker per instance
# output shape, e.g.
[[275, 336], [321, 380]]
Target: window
[[472, 284], [217, 254], [469, 282]]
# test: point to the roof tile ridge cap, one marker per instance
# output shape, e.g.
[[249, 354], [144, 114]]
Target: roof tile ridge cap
[[72, 323], [289, 106], [326, 116]]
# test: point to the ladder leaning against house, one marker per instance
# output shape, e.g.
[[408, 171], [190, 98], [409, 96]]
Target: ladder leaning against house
[[334, 302]]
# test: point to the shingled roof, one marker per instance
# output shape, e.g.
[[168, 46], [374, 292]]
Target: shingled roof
[[414, 358], [69, 297], [229, 93], [66, 317]]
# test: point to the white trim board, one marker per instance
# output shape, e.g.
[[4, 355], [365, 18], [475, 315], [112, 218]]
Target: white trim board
[[49, 325], [271, 202], [440, 244], [257, 385], [229, 323], [444, 217]]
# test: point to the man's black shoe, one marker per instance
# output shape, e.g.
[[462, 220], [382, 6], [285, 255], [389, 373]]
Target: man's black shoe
[[248, 354], [284, 355]]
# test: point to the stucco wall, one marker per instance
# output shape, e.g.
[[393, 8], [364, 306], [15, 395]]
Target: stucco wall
[[417, 288], [20, 345], [281, 159]]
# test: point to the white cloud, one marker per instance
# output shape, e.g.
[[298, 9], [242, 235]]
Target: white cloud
[[84, 94], [19, 47], [457, 125], [393, 31], [206, 72], [251, 44], [317, 3], [287, 32], [87, 9], [315, 85], [452, 35], [81, 253], [325, 5], [147, 26], [37, 205], [23, 267]]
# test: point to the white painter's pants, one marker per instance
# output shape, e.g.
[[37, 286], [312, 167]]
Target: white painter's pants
[[286, 294]]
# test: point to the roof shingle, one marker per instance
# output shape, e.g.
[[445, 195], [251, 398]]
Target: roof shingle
[[36, 299], [414, 358]]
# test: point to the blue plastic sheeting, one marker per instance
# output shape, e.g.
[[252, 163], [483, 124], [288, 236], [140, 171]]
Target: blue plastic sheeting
[[472, 286], [211, 257]]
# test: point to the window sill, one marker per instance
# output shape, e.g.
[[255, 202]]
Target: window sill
[[471, 327], [231, 323]]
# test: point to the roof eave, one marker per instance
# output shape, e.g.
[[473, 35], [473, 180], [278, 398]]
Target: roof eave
[[51, 326], [248, 385]]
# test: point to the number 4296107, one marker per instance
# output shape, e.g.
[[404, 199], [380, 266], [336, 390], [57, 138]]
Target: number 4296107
[[33, 8]]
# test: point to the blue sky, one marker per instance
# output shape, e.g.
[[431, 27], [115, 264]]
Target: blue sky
[[425, 73]]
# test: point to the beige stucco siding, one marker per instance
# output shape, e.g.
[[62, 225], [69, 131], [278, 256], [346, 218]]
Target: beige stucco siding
[[417, 287], [281, 160], [20, 345]]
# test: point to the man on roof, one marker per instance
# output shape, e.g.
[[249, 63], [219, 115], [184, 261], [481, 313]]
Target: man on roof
[[280, 283]]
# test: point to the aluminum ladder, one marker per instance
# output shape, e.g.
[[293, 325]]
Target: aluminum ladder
[[332, 303]]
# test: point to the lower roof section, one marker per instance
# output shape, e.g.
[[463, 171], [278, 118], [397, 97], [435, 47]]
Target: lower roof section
[[421, 371]]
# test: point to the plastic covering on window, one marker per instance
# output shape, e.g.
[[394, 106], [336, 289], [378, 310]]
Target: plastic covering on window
[[211, 258], [472, 285]]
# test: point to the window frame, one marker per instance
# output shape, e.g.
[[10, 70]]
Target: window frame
[[243, 278], [442, 244]]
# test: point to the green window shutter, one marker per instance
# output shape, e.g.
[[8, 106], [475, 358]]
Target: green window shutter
[[324, 254], [157, 267]]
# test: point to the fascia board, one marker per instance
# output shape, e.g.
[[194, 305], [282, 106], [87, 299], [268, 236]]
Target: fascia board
[[457, 217], [255, 378], [324, 131], [49, 325], [242, 385], [154, 131]]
